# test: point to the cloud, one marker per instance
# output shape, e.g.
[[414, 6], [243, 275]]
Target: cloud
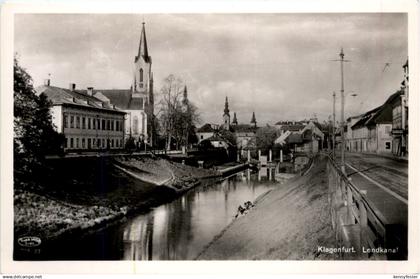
[[278, 65]]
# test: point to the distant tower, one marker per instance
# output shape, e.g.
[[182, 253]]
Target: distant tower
[[253, 120], [226, 115], [234, 121], [185, 100]]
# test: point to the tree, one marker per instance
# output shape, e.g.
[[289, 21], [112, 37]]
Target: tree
[[265, 138], [34, 134], [177, 115]]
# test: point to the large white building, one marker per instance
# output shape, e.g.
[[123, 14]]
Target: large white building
[[86, 121]]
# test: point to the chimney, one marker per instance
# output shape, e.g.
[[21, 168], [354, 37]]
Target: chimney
[[72, 86], [47, 82], [89, 91]]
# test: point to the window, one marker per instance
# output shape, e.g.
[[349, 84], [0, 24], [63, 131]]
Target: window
[[135, 125], [112, 125], [93, 143], [141, 76], [65, 142], [112, 143], [201, 136], [108, 125], [77, 142], [396, 117], [89, 143], [103, 124], [83, 143], [71, 142], [83, 123], [387, 145], [98, 143], [65, 121], [88, 120], [103, 143], [72, 121], [78, 122], [93, 123]]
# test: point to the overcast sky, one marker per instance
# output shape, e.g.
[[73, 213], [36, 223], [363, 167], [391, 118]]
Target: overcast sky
[[278, 65]]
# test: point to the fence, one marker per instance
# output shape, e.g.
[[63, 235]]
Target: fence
[[358, 226]]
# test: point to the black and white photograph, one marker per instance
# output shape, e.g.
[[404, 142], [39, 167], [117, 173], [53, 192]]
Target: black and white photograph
[[211, 136]]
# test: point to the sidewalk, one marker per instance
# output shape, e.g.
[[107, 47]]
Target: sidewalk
[[383, 155]]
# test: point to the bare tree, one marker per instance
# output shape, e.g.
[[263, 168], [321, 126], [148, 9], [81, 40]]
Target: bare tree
[[176, 113]]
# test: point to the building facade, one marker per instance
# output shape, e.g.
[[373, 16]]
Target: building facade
[[206, 131], [372, 130], [86, 122], [400, 118]]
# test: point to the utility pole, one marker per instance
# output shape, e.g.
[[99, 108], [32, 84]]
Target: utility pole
[[333, 149], [343, 168]]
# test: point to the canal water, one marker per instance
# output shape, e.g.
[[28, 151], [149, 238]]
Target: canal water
[[179, 230]]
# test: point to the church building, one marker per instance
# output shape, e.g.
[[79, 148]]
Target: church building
[[245, 133], [138, 100]]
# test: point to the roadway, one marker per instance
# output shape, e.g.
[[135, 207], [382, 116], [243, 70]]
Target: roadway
[[385, 182]]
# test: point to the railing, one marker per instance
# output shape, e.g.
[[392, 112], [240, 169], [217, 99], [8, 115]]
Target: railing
[[359, 227]]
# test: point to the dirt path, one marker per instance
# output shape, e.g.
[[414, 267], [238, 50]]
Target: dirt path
[[289, 223]]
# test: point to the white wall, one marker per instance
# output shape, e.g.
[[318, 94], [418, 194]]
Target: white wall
[[384, 136], [57, 118], [203, 136]]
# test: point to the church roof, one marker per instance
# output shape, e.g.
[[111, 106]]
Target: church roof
[[120, 98]]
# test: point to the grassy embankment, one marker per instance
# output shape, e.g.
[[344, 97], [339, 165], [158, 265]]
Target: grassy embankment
[[289, 223], [85, 193]]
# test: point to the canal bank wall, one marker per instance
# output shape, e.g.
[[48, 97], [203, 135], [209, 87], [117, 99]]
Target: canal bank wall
[[81, 195], [291, 222]]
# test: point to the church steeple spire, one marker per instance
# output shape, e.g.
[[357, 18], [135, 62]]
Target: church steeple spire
[[226, 115], [235, 120], [226, 111], [253, 119], [143, 52]]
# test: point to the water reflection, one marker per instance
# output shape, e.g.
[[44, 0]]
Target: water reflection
[[175, 231], [181, 229]]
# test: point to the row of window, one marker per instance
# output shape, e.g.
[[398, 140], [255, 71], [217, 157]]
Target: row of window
[[90, 123], [92, 143]]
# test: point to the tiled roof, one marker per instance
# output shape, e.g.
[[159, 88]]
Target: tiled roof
[[381, 114], [206, 128], [293, 128], [244, 128], [294, 138], [59, 95]]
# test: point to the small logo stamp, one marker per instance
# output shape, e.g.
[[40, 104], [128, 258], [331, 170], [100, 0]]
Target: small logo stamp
[[29, 241]]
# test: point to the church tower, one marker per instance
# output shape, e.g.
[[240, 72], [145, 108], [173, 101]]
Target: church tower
[[226, 115], [142, 68], [142, 87], [235, 120]]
